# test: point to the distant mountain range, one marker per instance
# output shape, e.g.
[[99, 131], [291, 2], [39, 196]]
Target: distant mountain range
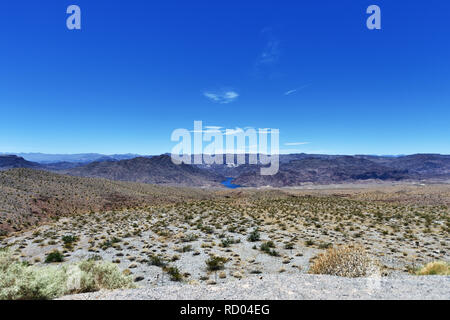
[[44, 158], [336, 169], [12, 161], [295, 169], [155, 170]]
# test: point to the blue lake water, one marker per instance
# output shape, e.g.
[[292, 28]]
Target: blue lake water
[[227, 183]]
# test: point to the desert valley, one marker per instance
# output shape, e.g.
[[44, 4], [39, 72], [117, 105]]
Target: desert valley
[[164, 225]]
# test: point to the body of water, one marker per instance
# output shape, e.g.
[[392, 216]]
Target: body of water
[[227, 183]]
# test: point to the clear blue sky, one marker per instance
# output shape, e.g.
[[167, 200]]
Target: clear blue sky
[[140, 69]]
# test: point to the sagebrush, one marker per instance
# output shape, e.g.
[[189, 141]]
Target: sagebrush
[[19, 281]]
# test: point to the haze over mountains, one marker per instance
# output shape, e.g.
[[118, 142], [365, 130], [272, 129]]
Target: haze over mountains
[[76, 158], [295, 169]]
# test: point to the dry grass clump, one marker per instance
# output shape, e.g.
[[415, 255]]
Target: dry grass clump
[[435, 268], [19, 281], [344, 261]]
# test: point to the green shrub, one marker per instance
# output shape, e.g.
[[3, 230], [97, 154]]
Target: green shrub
[[309, 243], [215, 263], [97, 275], [225, 243], [18, 281], [54, 256], [174, 273], [267, 248], [289, 246], [158, 261], [68, 239], [109, 243], [254, 236]]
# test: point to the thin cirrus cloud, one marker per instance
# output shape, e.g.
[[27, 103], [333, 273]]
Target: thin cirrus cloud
[[287, 93], [221, 97], [293, 91]]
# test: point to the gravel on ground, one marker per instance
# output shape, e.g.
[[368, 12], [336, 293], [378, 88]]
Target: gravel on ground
[[289, 287]]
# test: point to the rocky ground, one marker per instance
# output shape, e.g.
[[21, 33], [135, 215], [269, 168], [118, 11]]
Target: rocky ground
[[291, 287], [251, 234]]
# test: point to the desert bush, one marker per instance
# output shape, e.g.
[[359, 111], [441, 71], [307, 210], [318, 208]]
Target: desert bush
[[344, 261], [97, 275], [19, 281], [189, 238], [309, 243], [186, 248], [68, 239], [54, 256], [215, 263], [174, 273], [225, 243], [109, 243], [325, 245], [435, 268], [289, 246], [254, 236], [267, 248], [158, 261]]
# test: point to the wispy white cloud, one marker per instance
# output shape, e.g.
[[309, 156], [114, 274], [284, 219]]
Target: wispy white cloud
[[289, 92], [295, 143], [221, 97]]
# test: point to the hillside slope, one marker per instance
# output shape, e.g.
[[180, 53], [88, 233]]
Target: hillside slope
[[155, 170], [336, 169], [28, 196], [12, 161]]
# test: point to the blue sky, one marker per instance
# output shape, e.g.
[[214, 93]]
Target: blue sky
[[140, 69]]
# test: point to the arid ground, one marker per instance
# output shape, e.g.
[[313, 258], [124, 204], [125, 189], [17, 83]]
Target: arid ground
[[246, 232]]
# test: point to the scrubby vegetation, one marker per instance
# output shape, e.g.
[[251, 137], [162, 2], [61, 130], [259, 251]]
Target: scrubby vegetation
[[215, 263], [344, 261], [398, 226], [21, 281], [267, 247], [254, 236], [54, 256], [174, 273], [29, 197]]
